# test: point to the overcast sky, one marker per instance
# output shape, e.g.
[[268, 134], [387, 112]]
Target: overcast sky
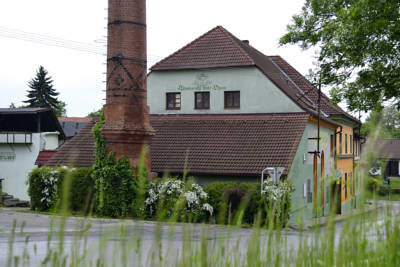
[[78, 75]]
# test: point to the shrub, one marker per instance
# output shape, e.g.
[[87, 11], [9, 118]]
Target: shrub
[[273, 201], [46, 187], [115, 187], [114, 183], [226, 194], [278, 201], [82, 190], [384, 189], [372, 184], [254, 206], [215, 191], [173, 197], [43, 187]]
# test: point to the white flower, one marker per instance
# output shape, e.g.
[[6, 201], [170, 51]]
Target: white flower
[[208, 207]]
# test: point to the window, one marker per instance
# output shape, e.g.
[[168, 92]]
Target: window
[[345, 143], [340, 144], [332, 145], [232, 99], [173, 101], [351, 184], [345, 186], [351, 144], [309, 193], [202, 100]]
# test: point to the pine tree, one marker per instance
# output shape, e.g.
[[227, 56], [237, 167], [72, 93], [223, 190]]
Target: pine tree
[[43, 93]]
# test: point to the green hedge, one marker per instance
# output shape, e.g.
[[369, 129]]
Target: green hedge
[[48, 185], [223, 195]]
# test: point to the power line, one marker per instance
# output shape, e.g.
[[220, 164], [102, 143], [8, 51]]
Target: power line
[[62, 43]]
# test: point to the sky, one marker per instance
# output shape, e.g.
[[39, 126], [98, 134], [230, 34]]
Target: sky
[[78, 73]]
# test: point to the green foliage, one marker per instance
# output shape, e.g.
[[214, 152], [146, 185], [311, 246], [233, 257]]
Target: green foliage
[[44, 184], [174, 199], [254, 205], [384, 189], [388, 120], [215, 192], [95, 114], [115, 185], [43, 94], [46, 187], [372, 184], [358, 43], [81, 190]]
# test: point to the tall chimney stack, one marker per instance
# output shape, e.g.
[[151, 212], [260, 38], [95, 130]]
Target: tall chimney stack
[[127, 129]]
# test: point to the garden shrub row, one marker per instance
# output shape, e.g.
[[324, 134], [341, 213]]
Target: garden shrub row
[[235, 202], [112, 191]]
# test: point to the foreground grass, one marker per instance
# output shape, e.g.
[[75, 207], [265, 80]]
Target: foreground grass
[[369, 239]]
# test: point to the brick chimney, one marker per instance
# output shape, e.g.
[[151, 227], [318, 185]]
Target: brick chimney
[[127, 129]]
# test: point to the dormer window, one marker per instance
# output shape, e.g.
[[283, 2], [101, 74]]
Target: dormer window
[[173, 101]]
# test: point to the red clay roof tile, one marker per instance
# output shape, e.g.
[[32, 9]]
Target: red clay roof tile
[[207, 144], [44, 156]]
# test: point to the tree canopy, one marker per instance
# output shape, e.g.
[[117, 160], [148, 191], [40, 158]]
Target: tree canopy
[[386, 121], [358, 44], [43, 94]]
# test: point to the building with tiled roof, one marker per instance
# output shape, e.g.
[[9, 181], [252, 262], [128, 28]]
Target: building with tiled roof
[[25, 133], [222, 110], [218, 75]]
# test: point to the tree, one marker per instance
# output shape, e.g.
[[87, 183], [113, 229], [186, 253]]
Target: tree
[[388, 121], [43, 94], [358, 45], [95, 114]]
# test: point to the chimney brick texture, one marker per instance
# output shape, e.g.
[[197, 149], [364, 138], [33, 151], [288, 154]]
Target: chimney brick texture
[[127, 129]]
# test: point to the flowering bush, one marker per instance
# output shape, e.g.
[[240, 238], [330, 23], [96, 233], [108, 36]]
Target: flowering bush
[[44, 187], [278, 199], [167, 195]]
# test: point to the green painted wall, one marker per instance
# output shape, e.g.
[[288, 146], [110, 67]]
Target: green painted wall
[[302, 170], [257, 93]]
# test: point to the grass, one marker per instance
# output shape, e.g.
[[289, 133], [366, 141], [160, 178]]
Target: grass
[[395, 183]]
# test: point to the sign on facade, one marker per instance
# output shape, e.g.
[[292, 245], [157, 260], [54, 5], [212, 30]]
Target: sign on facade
[[202, 83], [7, 156]]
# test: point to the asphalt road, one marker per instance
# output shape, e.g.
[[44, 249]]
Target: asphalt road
[[117, 240]]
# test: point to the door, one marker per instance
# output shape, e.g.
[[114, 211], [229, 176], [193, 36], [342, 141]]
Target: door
[[336, 199]]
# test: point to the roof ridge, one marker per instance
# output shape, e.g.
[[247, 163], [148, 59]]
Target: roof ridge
[[235, 40], [184, 47]]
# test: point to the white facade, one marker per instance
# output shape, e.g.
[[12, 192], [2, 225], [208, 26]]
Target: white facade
[[257, 93], [17, 159]]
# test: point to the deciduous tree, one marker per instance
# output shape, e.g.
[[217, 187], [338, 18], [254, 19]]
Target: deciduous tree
[[358, 44]]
